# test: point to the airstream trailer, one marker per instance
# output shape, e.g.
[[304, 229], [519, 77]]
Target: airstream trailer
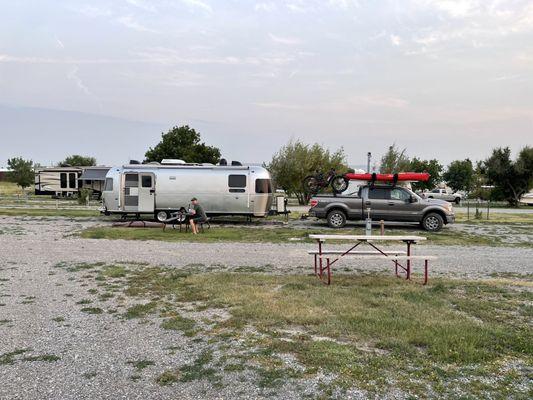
[[160, 189]]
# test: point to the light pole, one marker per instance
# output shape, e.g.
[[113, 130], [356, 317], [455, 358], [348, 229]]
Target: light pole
[[369, 157]]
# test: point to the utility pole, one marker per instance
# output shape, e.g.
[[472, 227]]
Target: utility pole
[[369, 157]]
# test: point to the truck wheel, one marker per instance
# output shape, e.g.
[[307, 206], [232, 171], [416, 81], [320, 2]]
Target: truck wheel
[[161, 216], [336, 219], [457, 200], [432, 222]]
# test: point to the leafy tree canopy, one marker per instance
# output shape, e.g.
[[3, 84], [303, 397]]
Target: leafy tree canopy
[[296, 160], [394, 160], [78, 161], [21, 172], [511, 178], [460, 175], [433, 167], [183, 143]]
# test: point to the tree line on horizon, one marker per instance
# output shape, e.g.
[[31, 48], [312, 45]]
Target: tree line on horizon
[[296, 160]]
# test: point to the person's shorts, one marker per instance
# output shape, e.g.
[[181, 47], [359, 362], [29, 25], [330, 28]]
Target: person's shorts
[[198, 219]]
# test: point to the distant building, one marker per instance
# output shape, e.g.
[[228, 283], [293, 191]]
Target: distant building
[[3, 174]]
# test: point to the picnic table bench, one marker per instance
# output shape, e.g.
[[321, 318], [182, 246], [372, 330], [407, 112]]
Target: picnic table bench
[[375, 253]]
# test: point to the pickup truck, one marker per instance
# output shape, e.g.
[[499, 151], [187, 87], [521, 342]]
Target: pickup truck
[[443, 194], [385, 202]]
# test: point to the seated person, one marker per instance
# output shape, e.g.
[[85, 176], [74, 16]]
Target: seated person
[[198, 215]]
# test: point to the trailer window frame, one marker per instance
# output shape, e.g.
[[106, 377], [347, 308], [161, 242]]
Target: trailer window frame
[[72, 178], [237, 183], [143, 181], [63, 180], [263, 186], [108, 187]]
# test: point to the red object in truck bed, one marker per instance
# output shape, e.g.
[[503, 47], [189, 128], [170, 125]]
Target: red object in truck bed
[[402, 176]]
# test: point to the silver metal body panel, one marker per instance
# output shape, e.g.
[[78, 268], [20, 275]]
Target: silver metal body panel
[[174, 186]]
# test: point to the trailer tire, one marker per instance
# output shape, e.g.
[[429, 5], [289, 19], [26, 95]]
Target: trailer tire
[[161, 216], [336, 219], [432, 222], [457, 200]]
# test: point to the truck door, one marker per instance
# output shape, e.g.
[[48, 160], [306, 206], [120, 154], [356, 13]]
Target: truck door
[[400, 208], [377, 199], [236, 198], [146, 192]]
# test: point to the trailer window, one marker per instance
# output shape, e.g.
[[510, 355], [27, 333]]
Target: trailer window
[[132, 180], [146, 181], [63, 180], [72, 180], [379, 193], [263, 186], [237, 183], [108, 185]]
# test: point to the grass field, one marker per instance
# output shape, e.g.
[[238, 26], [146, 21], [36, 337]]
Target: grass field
[[453, 338], [12, 189], [283, 235], [48, 212]]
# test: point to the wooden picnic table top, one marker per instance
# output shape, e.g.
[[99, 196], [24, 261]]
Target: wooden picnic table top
[[400, 238]]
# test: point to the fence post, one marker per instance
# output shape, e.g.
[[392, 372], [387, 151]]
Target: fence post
[[488, 209], [382, 227]]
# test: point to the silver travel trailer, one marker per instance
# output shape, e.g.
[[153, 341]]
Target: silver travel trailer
[[160, 189]]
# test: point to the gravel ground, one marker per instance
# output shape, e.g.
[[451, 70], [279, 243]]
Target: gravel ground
[[94, 350]]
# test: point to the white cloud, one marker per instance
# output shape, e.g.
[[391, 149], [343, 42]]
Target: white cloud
[[267, 7], [343, 4], [73, 76], [284, 40], [395, 40], [129, 22], [92, 11], [198, 4], [143, 5]]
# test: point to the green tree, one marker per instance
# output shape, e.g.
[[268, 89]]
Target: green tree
[[460, 175], [511, 179], [78, 161], [183, 143], [21, 172], [296, 160], [433, 167], [394, 160]]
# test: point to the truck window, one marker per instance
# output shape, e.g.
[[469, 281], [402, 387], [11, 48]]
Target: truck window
[[237, 183], [378, 193], [399, 194], [435, 191], [63, 180], [263, 186], [108, 185]]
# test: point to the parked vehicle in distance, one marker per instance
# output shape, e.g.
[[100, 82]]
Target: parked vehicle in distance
[[527, 199], [384, 202], [443, 194], [160, 189]]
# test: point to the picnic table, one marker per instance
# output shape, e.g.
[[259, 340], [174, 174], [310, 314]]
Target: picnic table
[[179, 217], [332, 256]]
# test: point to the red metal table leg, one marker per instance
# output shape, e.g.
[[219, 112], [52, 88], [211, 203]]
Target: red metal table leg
[[329, 271], [408, 263]]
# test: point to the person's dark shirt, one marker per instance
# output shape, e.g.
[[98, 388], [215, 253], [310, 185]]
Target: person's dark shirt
[[199, 212]]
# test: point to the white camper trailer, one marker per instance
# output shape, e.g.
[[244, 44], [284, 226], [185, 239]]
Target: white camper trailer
[[160, 189], [57, 181]]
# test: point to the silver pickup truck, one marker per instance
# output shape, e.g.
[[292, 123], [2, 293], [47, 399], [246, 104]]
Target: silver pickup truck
[[386, 202]]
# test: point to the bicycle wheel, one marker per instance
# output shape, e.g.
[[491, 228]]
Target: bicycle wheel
[[310, 185], [339, 184]]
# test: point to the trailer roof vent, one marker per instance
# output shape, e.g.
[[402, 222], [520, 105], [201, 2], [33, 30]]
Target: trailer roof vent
[[134, 162], [223, 161], [236, 163], [171, 161]]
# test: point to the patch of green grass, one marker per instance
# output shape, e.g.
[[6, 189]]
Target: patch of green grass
[[58, 319], [9, 358], [179, 323], [90, 375], [139, 365], [5, 321], [77, 267], [43, 358], [198, 369], [92, 310], [168, 377], [140, 310], [368, 330], [48, 212], [114, 271], [84, 301]]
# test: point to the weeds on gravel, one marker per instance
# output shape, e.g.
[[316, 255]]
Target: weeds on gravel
[[141, 364], [140, 310], [9, 358], [179, 323], [58, 319], [44, 358], [92, 310], [369, 331]]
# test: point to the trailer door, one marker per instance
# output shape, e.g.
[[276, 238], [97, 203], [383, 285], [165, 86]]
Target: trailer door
[[146, 192], [236, 200]]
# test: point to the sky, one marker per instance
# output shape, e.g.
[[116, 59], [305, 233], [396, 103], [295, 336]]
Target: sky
[[444, 79]]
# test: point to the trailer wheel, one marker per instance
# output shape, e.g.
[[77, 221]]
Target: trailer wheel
[[432, 222], [161, 216], [336, 219], [457, 200]]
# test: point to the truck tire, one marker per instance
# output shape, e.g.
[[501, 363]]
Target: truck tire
[[432, 222], [457, 200], [161, 216], [336, 219]]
